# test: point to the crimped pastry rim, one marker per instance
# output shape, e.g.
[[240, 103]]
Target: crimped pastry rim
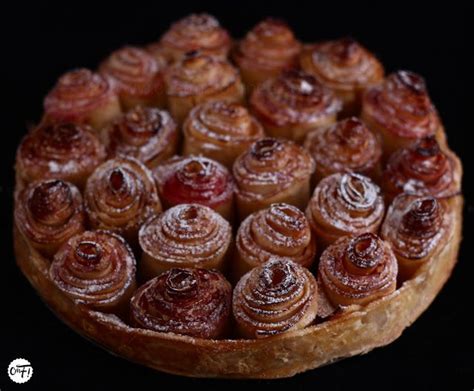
[[275, 357]]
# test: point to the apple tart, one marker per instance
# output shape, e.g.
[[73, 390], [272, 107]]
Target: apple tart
[[235, 239]]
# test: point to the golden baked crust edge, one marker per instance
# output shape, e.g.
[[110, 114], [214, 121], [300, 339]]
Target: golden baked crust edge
[[356, 331]]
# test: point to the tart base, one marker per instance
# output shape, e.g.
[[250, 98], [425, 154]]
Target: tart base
[[356, 330]]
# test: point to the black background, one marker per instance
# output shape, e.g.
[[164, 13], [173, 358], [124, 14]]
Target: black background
[[38, 43]]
